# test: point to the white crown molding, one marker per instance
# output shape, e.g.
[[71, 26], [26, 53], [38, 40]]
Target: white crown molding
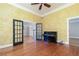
[[58, 9], [5, 46], [26, 9]]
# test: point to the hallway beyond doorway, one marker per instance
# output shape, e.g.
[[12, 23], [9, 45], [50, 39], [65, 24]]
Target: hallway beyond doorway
[[29, 31]]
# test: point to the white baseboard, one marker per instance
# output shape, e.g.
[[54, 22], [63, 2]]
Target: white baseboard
[[66, 42], [59, 41], [63, 42], [5, 46]]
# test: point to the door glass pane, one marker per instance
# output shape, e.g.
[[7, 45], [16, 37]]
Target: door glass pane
[[16, 40], [16, 23], [20, 39]]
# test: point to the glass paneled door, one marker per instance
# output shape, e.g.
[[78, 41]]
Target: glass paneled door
[[17, 32], [39, 31]]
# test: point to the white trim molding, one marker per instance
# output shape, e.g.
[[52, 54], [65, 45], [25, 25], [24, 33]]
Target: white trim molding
[[5, 46], [26, 9], [58, 9], [61, 41], [68, 30], [66, 43], [75, 37]]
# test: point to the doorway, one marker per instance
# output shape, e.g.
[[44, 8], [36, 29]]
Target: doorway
[[74, 31], [29, 31]]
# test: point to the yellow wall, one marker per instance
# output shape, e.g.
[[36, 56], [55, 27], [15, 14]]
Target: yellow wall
[[53, 22], [58, 21], [7, 14]]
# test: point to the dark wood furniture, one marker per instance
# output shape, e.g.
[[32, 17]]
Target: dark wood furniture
[[50, 36]]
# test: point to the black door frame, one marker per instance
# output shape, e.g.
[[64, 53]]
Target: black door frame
[[14, 43]]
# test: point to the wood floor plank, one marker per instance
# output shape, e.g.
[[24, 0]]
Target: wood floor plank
[[40, 48]]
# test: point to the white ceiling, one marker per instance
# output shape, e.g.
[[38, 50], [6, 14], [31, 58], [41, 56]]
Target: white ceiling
[[44, 10]]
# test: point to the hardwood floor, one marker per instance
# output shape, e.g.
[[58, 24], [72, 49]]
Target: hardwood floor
[[40, 48]]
